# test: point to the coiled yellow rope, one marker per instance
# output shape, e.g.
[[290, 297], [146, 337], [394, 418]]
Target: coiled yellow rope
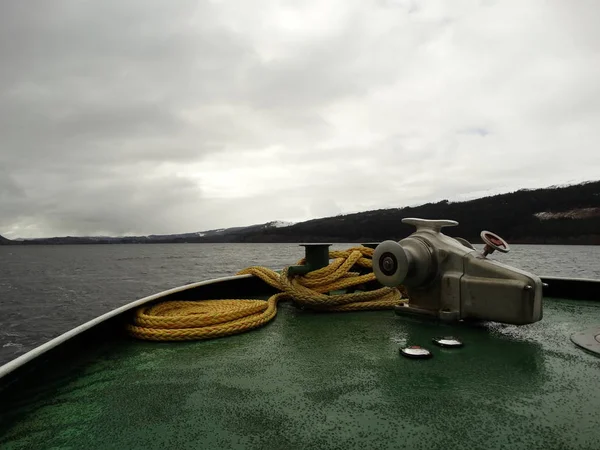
[[207, 319]]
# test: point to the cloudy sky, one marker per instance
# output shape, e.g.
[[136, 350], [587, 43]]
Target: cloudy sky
[[137, 117]]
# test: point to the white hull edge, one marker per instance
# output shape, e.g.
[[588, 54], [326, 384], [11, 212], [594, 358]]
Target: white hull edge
[[41, 349]]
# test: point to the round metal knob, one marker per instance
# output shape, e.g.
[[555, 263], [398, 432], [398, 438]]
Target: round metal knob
[[493, 242], [390, 263]]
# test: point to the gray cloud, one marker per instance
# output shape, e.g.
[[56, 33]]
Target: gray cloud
[[158, 117]]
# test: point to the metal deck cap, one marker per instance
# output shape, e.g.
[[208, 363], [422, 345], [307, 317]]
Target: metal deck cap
[[447, 341], [416, 352], [588, 340]]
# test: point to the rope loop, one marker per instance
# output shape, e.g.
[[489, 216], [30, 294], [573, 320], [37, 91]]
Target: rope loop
[[317, 290]]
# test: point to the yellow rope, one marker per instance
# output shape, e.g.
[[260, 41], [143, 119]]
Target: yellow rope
[[207, 319]]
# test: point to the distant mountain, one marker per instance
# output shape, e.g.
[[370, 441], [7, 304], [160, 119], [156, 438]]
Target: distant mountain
[[217, 235], [4, 241], [222, 232], [554, 215]]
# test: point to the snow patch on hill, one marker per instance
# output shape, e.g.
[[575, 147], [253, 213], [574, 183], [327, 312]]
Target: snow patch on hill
[[280, 224], [580, 213]]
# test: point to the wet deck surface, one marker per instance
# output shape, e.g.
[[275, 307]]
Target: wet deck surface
[[327, 381]]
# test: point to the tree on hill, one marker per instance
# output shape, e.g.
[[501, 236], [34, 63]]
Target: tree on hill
[[4, 241]]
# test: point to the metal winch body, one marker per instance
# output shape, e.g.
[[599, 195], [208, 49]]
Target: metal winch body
[[448, 279]]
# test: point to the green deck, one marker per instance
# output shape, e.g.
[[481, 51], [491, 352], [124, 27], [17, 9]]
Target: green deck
[[328, 381]]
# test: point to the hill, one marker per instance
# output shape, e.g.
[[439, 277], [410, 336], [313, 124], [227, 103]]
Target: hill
[[217, 235], [4, 241], [553, 215]]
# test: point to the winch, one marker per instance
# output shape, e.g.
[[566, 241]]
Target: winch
[[449, 279]]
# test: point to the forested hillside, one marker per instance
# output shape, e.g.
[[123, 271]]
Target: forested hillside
[[555, 215]]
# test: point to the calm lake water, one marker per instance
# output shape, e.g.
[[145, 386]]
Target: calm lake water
[[47, 290]]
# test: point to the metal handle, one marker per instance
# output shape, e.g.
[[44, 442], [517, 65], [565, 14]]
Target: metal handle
[[428, 224]]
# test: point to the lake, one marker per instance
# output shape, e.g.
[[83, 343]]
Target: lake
[[47, 290]]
